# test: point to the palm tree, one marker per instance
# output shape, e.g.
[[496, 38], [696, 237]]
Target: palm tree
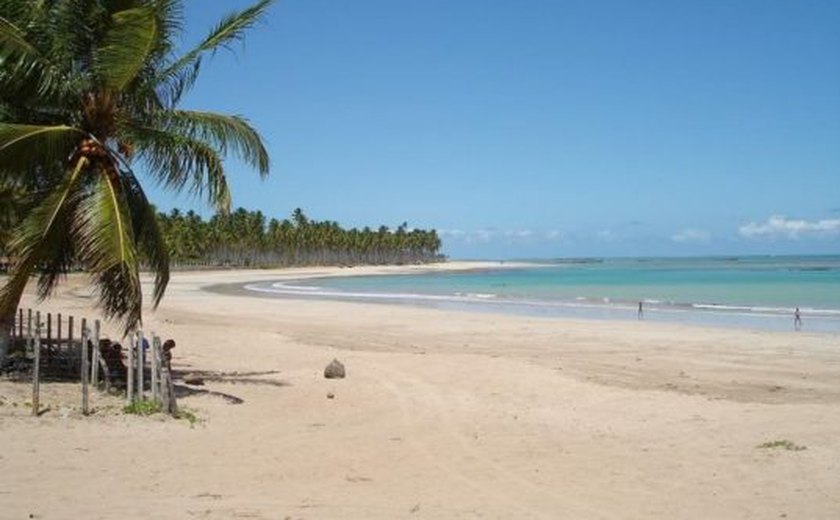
[[89, 90], [10, 197]]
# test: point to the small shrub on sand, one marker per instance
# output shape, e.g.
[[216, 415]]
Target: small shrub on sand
[[188, 416], [143, 407], [147, 407], [782, 444]]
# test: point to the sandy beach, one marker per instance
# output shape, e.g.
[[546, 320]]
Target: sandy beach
[[442, 415]]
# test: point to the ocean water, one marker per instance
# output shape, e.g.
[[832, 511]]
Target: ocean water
[[746, 292]]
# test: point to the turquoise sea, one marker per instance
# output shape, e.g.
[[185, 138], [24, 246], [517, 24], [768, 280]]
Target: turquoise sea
[[750, 292]]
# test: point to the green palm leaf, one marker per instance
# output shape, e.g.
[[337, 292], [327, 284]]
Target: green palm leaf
[[43, 236], [177, 161], [126, 47], [105, 245], [182, 73], [23, 65], [147, 233], [13, 44], [227, 133], [25, 146]]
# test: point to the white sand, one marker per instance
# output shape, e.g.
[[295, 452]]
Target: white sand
[[442, 415]]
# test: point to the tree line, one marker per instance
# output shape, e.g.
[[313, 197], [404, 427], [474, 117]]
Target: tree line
[[245, 238]]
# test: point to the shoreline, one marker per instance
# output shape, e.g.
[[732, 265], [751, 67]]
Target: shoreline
[[729, 340], [442, 415], [688, 315]]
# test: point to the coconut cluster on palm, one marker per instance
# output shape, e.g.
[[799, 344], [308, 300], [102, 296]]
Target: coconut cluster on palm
[[89, 96]]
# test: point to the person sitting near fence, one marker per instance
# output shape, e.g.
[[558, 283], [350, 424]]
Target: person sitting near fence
[[168, 345], [112, 356]]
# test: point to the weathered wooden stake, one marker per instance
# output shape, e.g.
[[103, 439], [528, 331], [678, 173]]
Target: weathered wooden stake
[[97, 359], [129, 386], [173, 402], [58, 331], [85, 368], [140, 366], [49, 331], [165, 389], [29, 329], [156, 368], [36, 365], [172, 408], [70, 346]]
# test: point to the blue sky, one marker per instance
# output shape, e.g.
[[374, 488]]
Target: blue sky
[[543, 127]]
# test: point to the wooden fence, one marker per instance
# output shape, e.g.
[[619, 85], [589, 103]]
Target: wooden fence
[[57, 352]]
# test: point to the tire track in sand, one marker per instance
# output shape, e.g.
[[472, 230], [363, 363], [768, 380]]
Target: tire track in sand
[[454, 453]]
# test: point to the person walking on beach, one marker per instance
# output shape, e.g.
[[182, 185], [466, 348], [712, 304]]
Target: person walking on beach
[[641, 310], [797, 319]]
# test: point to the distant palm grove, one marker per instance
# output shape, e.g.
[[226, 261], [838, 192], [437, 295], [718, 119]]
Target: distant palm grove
[[247, 238]]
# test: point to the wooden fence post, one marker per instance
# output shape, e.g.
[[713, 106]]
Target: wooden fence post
[[85, 368], [129, 386], [170, 388], [20, 323], [140, 366], [94, 363], [156, 368], [167, 388], [36, 365], [58, 323], [49, 331], [71, 350], [29, 329], [164, 390]]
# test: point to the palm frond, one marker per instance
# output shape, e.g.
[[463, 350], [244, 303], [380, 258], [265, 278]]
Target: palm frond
[[115, 6], [23, 147], [42, 236], [15, 9], [127, 45], [182, 73], [10, 209], [170, 15], [24, 67], [229, 134], [75, 27], [147, 233], [177, 161], [105, 245]]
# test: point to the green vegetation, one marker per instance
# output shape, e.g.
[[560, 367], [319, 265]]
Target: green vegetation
[[89, 90], [244, 238], [188, 416], [782, 444], [146, 407], [143, 407], [8, 216]]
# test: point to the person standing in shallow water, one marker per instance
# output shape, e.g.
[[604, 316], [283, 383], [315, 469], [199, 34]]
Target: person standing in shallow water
[[797, 319], [641, 310]]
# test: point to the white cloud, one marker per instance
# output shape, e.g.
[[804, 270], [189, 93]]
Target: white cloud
[[780, 226], [519, 233], [486, 235], [482, 235], [689, 235]]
